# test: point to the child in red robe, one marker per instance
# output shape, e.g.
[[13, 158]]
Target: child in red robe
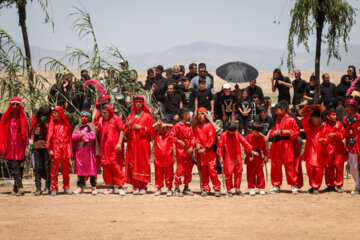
[[111, 135], [336, 155], [14, 142], [205, 137], [229, 151], [138, 131], [285, 150], [183, 137], [315, 147], [254, 164], [163, 158], [59, 145], [352, 136]]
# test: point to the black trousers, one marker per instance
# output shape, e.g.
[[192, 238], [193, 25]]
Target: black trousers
[[244, 124], [41, 168], [16, 170], [81, 181]]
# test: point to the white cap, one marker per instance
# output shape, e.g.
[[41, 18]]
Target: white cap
[[226, 86]]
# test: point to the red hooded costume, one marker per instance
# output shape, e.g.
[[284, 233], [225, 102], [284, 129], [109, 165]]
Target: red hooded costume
[[336, 155], [285, 150], [14, 135], [163, 158], [59, 140], [184, 163], [254, 168], [137, 166], [111, 160], [230, 150], [315, 152], [205, 135]]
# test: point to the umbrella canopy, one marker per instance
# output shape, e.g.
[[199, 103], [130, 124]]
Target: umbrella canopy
[[237, 72]]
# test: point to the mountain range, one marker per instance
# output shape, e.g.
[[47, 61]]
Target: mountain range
[[214, 55]]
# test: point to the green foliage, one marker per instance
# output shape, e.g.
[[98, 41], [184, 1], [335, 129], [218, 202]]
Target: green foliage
[[308, 15]]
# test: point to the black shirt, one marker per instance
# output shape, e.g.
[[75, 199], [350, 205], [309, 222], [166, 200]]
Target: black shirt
[[284, 93], [268, 123], [257, 90], [244, 105], [228, 101], [172, 104], [148, 83], [188, 97], [299, 89], [204, 98], [328, 93]]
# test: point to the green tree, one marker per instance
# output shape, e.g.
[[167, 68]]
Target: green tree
[[309, 16], [21, 7]]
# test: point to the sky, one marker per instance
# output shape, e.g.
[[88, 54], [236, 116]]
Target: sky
[[136, 26]]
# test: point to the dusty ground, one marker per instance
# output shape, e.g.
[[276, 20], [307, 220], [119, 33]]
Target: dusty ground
[[279, 216]]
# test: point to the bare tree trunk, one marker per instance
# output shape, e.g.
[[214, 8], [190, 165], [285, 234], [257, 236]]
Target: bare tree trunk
[[319, 29], [21, 5]]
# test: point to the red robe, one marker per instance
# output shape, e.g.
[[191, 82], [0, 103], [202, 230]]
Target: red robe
[[184, 133], [205, 135], [109, 132], [287, 150], [229, 149], [315, 152], [138, 151], [163, 149], [259, 145], [351, 131], [335, 153]]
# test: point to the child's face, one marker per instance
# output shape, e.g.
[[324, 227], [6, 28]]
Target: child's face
[[105, 114], [244, 94], [187, 117], [201, 117], [186, 84], [84, 119], [315, 121], [227, 91], [56, 115], [332, 117], [202, 85], [280, 112]]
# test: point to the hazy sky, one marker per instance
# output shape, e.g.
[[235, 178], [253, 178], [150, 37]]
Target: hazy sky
[[143, 26]]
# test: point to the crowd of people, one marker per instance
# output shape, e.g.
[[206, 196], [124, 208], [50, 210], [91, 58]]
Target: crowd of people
[[189, 109]]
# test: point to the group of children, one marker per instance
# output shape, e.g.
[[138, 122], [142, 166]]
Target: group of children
[[101, 143]]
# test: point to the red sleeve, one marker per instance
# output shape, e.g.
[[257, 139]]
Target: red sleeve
[[190, 142], [172, 134], [211, 136], [146, 128], [340, 134], [220, 148], [246, 144], [264, 148], [126, 129], [119, 124], [294, 130], [305, 123]]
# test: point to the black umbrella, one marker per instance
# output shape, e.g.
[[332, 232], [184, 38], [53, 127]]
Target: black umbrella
[[237, 72]]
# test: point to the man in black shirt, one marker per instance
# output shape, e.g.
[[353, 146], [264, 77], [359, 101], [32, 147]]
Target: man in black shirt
[[204, 97], [173, 103], [283, 84], [192, 71], [299, 88], [327, 91], [254, 89]]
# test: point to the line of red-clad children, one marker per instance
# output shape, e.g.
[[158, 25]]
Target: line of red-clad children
[[102, 142]]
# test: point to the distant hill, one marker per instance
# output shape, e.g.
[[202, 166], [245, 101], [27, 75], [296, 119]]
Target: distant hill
[[214, 55]]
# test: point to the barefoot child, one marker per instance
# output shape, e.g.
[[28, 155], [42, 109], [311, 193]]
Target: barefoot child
[[182, 135], [315, 147], [84, 136], [254, 164], [163, 158], [59, 145], [229, 151], [14, 142]]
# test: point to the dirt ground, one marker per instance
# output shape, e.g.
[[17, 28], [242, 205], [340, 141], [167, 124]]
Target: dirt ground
[[279, 216]]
